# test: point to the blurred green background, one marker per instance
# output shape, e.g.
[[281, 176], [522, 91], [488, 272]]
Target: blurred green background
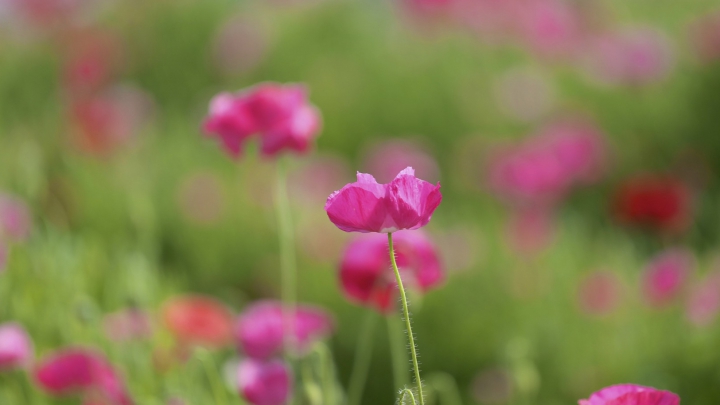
[[112, 228]]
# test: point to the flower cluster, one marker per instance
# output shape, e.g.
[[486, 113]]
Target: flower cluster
[[279, 114]]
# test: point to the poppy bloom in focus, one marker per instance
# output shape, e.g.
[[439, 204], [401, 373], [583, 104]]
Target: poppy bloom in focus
[[366, 276], [367, 206], [665, 276], [260, 330], [15, 346], [654, 202], [265, 383], [198, 321], [280, 114], [84, 371], [631, 394]]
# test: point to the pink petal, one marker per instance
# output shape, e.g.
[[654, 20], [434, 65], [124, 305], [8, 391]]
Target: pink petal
[[358, 207], [265, 383], [412, 201], [15, 346]]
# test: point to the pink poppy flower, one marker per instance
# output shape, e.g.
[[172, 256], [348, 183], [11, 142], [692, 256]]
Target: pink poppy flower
[[80, 370], [15, 219], [265, 383], [198, 321], [366, 206], [665, 276], [705, 37], [703, 304], [127, 324], [280, 114], [15, 346], [260, 330], [631, 394], [550, 27], [599, 293], [366, 276], [386, 159], [635, 56]]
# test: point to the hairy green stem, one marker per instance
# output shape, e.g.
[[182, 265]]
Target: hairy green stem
[[406, 315], [405, 393], [363, 355]]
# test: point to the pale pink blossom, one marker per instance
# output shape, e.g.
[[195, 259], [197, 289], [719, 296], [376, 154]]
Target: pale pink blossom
[[703, 302], [15, 218], [666, 275], [15, 346]]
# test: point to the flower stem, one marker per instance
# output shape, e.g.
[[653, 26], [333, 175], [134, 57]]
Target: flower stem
[[287, 255], [406, 315], [363, 355]]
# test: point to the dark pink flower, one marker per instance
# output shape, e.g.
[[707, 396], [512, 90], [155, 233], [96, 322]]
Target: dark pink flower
[[260, 330], [84, 371], [15, 219], [665, 276], [127, 324], [265, 383], [599, 293], [279, 114], [631, 394], [15, 346], [387, 159], [366, 206], [366, 276]]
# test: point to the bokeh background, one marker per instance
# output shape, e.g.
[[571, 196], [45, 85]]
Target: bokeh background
[[552, 287]]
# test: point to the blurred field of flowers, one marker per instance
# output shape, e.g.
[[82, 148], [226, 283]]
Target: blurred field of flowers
[[577, 245]]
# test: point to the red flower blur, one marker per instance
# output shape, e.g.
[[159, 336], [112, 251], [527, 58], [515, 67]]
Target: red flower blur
[[199, 321], [658, 203]]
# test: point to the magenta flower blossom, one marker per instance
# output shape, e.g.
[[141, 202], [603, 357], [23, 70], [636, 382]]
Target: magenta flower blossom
[[265, 383], [260, 332], [15, 219], [550, 27], [84, 371], [279, 114], [665, 276], [366, 206], [15, 346], [366, 276], [631, 394]]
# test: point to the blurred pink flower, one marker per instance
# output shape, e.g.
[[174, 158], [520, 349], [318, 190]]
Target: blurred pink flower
[[541, 169], [15, 346], [201, 199], [530, 231], [703, 304], [550, 27], [15, 218], [313, 181], [260, 330], [366, 276], [197, 320], [666, 275], [631, 394], [705, 37], [634, 56], [265, 383], [84, 371], [280, 114], [239, 45], [127, 324], [109, 120], [92, 57], [599, 293], [386, 159], [366, 206], [524, 94], [45, 13]]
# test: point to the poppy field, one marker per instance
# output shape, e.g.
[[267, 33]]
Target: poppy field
[[336, 202]]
